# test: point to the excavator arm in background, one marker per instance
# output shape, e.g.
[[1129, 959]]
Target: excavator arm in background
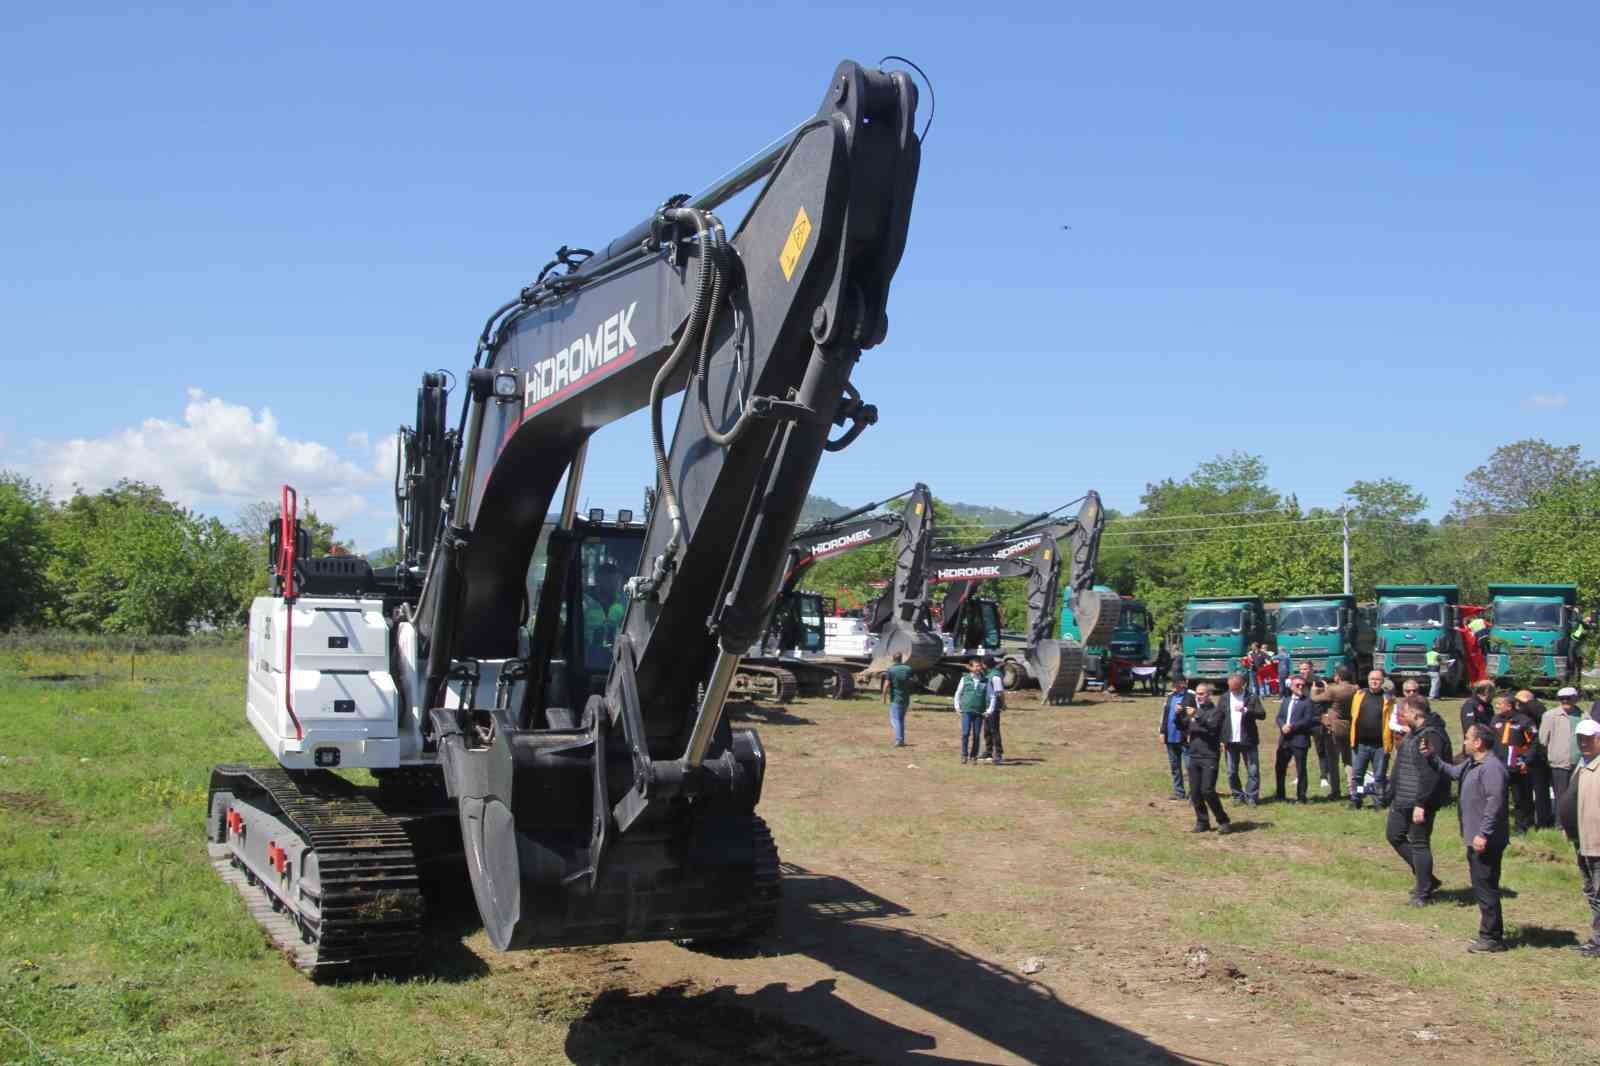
[[632, 816], [1034, 549]]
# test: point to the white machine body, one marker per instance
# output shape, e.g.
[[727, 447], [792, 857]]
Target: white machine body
[[338, 684], [847, 637]]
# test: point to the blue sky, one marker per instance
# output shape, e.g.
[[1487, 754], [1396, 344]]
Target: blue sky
[[1356, 239]]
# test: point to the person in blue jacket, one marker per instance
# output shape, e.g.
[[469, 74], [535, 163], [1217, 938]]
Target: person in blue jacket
[[1172, 732]]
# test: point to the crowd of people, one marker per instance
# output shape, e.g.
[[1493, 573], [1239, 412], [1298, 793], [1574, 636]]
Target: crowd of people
[[1520, 765]]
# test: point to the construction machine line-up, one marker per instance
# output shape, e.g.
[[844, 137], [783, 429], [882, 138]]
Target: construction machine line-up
[[1030, 550], [578, 746], [792, 657]]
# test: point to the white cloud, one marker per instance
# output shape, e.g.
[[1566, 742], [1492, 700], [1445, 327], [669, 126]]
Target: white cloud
[[1547, 401], [219, 456]]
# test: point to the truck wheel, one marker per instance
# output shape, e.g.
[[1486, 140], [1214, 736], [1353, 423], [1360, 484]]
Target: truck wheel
[[1012, 676]]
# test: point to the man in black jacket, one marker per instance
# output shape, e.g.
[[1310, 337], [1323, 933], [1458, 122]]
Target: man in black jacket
[[1482, 809], [1418, 792], [1477, 708], [1205, 727], [1297, 717], [1241, 711]]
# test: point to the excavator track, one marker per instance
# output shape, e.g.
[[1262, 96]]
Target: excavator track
[[771, 683], [348, 900]]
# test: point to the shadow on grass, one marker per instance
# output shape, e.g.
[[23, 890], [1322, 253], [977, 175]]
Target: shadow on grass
[[1539, 936], [766, 715], [1242, 825], [853, 932]]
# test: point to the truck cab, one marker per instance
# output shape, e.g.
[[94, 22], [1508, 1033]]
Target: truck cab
[[1218, 632], [1412, 620], [1129, 643], [1530, 633], [1328, 631]]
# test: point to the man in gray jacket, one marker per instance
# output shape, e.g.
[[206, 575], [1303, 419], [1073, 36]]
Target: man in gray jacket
[[1483, 780], [1579, 813], [1558, 740]]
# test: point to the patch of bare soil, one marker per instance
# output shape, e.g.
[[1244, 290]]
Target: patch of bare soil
[[34, 805]]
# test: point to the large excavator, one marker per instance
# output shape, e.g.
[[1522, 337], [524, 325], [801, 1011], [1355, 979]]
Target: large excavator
[[1032, 550], [792, 657], [574, 744]]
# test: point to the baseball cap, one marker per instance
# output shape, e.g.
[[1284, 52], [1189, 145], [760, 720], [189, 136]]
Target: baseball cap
[[1568, 693], [1588, 728]]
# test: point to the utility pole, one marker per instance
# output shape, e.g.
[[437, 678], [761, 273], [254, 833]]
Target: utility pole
[[1344, 514]]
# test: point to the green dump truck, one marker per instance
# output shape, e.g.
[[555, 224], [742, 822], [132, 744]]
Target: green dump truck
[[1530, 634], [1218, 632], [1412, 620], [1129, 641], [1328, 631]]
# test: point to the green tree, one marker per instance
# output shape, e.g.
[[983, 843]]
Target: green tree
[[1557, 539], [24, 550], [1390, 541], [1517, 474], [128, 560]]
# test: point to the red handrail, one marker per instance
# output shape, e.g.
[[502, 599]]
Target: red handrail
[[288, 528]]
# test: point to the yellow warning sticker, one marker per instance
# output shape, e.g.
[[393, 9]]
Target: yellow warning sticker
[[919, 508], [1047, 555], [799, 234]]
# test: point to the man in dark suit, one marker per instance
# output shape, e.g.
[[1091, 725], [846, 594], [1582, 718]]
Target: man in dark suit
[[1297, 717], [1204, 727], [1241, 710]]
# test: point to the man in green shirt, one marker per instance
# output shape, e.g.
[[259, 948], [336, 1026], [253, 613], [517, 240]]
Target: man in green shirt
[[897, 694], [602, 614]]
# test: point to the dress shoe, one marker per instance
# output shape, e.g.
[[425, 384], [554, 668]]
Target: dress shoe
[[1201, 829], [1485, 946], [1225, 828]]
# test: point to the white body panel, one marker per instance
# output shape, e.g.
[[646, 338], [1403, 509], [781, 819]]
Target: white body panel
[[339, 684], [847, 637]]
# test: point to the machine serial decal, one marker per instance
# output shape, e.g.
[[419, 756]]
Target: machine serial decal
[[610, 345], [799, 234]]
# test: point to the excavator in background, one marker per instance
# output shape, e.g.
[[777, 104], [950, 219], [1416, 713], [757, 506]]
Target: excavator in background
[[1031, 550], [793, 658], [571, 748]]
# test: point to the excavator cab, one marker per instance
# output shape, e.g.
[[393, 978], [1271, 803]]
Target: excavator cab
[[979, 625], [592, 560], [798, 622]]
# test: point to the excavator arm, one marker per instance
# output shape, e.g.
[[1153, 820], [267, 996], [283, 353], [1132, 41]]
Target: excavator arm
[[631, 817], [1034, 550]]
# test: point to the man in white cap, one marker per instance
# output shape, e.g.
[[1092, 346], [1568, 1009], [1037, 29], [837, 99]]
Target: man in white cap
[[1580, 817], [1558, 739]]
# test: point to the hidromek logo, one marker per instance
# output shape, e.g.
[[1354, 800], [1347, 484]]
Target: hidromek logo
[[965, 573], [611, 340], [1018, 548], [828, 547]]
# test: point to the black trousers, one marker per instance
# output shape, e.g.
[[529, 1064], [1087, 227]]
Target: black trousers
[[1522, 801], [1559, 776], [1281, 767], [991, 735], [1203, 791], [1544, 816], [1328, 759], [1414, 844], [1485, 872]]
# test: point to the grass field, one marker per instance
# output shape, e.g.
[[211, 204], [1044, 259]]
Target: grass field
[[916, 889]]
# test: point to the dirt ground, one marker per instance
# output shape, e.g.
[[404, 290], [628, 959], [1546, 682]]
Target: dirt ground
[[1053, 910]]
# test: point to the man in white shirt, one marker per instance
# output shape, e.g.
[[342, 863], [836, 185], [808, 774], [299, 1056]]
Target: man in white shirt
[[1242, 709]]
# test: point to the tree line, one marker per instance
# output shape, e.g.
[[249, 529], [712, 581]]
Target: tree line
[[1530, 513], [128, 560]]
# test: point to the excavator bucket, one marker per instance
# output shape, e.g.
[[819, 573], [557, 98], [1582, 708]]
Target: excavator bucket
[[1058, 665], [921, 651], [1097, 612]]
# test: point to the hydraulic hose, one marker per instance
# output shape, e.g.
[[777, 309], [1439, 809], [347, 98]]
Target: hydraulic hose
[[693, 327], [719, 251]]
